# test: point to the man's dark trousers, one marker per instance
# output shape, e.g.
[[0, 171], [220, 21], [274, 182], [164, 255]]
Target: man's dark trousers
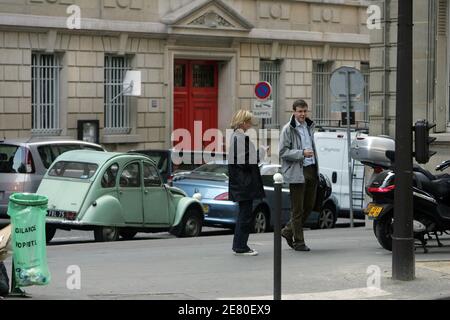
[[303, 198]]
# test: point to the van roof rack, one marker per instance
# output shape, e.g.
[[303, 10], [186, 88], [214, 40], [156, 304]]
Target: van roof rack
[[335, 129], [338, 125]]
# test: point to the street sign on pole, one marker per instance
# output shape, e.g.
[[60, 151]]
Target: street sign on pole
[[263, 90], [347, 84], [338, 82], [341, 106], [262, 107]]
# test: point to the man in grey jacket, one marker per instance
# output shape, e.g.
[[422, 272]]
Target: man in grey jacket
[[299, 166]]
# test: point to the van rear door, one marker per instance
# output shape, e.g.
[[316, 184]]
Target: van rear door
[[331, 150]]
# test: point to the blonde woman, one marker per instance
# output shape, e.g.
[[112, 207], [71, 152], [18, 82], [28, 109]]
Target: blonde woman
[[245, 182]]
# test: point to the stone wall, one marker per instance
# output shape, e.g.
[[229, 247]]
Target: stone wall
[[430, 94], [297, 69], [82, 88], [295, 32]]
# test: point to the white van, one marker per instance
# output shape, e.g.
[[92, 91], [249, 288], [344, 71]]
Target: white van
[[332, 151]]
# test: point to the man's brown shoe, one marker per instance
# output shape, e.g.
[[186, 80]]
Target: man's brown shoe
[[302, 247], [289, 240]]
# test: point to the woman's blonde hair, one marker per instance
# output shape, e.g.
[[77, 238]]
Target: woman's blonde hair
[[240, 118]]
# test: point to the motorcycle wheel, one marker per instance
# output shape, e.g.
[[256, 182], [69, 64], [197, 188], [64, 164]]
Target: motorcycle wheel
[[384, 229]]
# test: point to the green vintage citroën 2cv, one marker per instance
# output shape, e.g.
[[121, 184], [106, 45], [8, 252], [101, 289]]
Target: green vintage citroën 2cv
[[115, 195]]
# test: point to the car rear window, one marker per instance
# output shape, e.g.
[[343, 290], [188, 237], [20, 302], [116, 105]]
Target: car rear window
[[75, 170], [219, 169], [49, 153], [12, 159], [190, 160]]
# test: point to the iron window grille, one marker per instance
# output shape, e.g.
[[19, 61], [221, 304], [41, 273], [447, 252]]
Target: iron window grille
[[117, 112], [321, 102], [365, 70], [270, 71], [322, 96], [45, 94]]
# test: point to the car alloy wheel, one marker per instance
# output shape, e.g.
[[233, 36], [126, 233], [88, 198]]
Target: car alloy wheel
[[260, 222], [326, 219]]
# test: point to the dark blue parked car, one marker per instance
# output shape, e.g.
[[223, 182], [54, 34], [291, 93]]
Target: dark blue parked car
[[211, 182], [170, 162]]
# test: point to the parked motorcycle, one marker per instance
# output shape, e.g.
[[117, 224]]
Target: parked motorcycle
[[431, 194], [431, 203]]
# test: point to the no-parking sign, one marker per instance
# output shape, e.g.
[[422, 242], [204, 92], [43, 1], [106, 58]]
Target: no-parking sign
[[262, 108], [263, 90]]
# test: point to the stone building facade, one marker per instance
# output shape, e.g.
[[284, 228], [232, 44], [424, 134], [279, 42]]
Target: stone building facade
[[57, 70], [430, 71]]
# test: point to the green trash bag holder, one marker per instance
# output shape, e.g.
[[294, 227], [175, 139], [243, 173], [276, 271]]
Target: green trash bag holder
[[26, 200]]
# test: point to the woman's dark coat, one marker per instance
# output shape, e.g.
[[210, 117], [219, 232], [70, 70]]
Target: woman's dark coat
[[245, 182]]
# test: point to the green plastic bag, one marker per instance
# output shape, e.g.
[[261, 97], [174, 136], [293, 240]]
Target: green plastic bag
[[28, 212]]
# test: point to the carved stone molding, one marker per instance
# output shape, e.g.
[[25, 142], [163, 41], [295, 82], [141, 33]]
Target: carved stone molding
[[123, 4], [277, 11], [63, 2], [327, 15], [212, 20]]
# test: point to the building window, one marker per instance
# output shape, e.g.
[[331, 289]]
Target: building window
[[117, 110], [323, 98], [321, 101], [365, 70], [270, 71], [45, 75]]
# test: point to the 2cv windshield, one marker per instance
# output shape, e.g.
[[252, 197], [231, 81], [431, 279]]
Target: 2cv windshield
[[74, 170]]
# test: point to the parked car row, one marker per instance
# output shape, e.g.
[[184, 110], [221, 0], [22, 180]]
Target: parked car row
[[119, 194], [210, 181], [24, 162]]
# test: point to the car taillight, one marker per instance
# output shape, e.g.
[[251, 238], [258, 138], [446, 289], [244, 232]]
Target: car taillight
[[222, 197], [381, 190], [377, 170], [29, 162], [70, 215]]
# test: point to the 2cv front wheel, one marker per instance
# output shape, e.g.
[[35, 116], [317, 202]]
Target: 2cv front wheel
[[105, 234], [191, 226]]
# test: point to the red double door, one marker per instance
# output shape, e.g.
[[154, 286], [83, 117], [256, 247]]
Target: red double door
[[195, 98]]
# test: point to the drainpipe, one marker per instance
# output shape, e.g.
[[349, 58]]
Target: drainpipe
[[387, 3]]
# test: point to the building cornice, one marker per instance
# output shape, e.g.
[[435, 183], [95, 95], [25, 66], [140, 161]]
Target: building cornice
[[33, 21], [26, 22], [310, 36]]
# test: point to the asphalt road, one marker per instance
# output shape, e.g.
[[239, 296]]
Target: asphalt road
[[161, 267], [63, 237]]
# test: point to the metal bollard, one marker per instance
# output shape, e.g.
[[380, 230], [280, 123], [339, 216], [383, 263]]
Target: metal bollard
[[278, 184]]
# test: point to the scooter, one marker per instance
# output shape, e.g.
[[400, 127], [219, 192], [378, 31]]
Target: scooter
[[431, 201]]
